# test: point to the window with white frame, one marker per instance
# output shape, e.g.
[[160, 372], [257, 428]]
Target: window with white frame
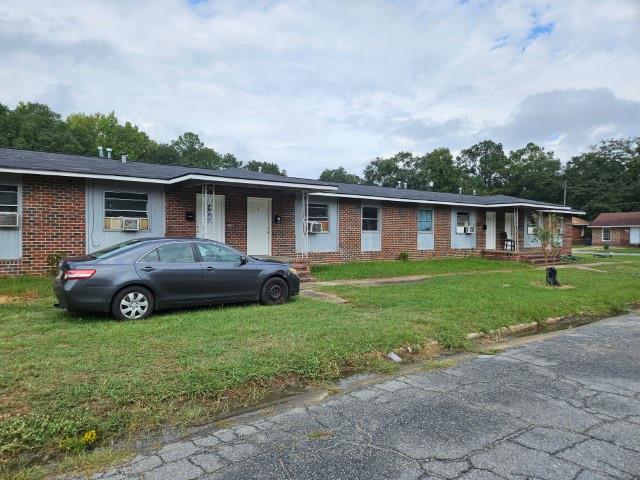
[[606, 234], [9, 206], [318, 218], [425, 220], [370, 219], [124, 211], [463, 222]]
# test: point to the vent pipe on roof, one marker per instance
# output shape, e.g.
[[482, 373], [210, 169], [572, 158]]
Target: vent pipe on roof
[[260, 169], [123, 157], [459, 190], [101, 152], [109, 150], [405, 185], [474, 191]]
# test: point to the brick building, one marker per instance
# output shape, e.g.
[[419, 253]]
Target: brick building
[[620, 229], [55, 204]]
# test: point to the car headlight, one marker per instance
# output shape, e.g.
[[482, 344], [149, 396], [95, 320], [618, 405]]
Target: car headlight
[[293, 270]]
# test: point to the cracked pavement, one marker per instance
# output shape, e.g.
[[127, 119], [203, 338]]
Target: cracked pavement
[[564, 407]]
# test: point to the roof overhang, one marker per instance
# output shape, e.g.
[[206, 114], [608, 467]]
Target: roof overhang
[[436, 202], [182, 178], [563, 211], [613, 226]]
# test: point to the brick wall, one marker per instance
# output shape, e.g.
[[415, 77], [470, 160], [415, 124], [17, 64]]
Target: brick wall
[[53, 221], [620, 237], [181, 200]]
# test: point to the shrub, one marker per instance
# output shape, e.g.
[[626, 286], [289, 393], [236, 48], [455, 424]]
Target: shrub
[[403, 256], [606, 246], [53, 260]]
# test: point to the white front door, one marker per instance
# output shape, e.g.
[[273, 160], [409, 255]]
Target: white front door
[[634, 236], [490, 238], [508, 225], [258, 226], [210, 226]]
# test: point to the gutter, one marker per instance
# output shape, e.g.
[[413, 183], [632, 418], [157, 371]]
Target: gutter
[[190, 176], [436, 202]]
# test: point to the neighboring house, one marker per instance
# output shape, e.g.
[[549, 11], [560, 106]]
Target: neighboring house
[[579, 232], [616, 229], [52, 204]]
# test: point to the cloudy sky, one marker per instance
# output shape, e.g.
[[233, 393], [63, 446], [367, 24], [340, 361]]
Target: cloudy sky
[[313, 85]]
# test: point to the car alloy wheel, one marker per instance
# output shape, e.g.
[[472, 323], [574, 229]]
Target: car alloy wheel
[[134, 305]]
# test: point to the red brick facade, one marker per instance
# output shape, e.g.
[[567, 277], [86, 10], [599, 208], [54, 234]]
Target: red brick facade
[[620, 237], [53, 221]]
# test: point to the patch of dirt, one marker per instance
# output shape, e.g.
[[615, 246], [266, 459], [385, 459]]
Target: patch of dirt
[[25, 297]]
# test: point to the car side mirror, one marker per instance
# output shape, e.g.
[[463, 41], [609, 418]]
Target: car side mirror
[[243, 259]]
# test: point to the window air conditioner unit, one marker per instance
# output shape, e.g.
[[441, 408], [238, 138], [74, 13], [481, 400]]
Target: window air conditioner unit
[[315, 227], [8, 220], [461, 229], [469, 230], [130, 224], [531, 230]]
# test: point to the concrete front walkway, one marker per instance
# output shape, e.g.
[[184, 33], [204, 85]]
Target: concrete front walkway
[[564, 407]]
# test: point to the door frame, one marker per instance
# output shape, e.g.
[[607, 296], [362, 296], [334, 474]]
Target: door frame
[[269, 216], [216, 213], [494, 225]]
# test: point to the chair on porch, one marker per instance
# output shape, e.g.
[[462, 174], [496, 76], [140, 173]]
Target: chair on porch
[[508, 243]]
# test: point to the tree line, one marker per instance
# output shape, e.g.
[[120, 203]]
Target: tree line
[[35, 126], [604, 178]]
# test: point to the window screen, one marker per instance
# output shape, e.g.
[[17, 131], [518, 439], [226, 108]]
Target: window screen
[[425, 220], [119, 205], [370, 219], [9, 198]]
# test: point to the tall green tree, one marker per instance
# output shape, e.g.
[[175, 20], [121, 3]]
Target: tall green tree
[[339, 175], [604, 179], [193, 153], [534, 173], [389, 172], [266, 167], [435, 170], [34, 126], [484, 166]]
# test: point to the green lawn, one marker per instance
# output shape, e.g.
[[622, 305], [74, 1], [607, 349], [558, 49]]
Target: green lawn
[[395, 268], [611, 249], [64, 375]]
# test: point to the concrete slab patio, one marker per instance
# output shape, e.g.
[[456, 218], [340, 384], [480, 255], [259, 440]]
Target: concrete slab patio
[[564, 407]]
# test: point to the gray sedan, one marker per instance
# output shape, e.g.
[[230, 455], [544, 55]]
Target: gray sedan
[[134, 278]]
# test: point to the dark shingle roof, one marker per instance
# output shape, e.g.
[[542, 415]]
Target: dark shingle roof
[[618, 219], [421, 195], [77, 164]]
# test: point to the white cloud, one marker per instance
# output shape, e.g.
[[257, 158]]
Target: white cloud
[[311, 85]]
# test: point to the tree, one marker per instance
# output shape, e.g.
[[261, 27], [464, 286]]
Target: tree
[[535, 174], [605, 178], [485, 165], [34, 126], [438, 167], [266, 167], [91, 131], [339, 175], [193, 153], [547, 232], [389, 172]]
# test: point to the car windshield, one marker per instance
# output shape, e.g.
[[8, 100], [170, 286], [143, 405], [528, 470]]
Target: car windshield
[[114, 249]]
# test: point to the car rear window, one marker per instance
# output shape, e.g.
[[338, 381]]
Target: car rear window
[[114, 249]]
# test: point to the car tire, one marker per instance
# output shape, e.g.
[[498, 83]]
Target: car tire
[[132, 303], [275, 291]]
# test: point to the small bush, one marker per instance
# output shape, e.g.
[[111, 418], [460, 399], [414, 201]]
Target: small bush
[[403, 256], [54, 260], [606, 246]]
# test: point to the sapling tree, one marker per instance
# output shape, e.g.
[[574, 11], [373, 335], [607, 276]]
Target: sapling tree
[[547, 231]]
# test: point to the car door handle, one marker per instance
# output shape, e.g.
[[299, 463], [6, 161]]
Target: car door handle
[[147, 269], [209, 268]]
